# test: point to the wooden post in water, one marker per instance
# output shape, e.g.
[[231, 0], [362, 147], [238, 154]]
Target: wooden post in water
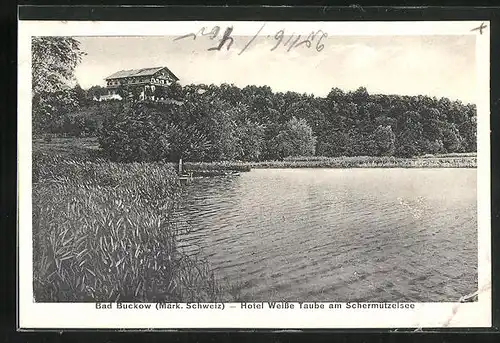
[[180, 166]]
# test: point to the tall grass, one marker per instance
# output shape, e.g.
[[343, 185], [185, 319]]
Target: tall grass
[[217, 166], [357, 162], [68, 147], [456, 154], [445, 161], [105, 231]]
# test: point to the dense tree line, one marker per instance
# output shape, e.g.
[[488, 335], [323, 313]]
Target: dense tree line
[[254, 123]]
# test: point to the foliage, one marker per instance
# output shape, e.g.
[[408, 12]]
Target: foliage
[[251, 140], [456, 161], [384, 140], [96, 91], [294, 139], [105, 232], [252, 124], [53, 63], [48, 109], [149, 132]]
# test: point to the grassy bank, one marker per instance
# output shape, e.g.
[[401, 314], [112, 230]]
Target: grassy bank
[[104, 231], [346, 162], [68, 147], [217, 166]]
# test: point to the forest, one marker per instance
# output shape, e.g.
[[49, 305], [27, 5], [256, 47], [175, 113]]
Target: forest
[[225, 122]]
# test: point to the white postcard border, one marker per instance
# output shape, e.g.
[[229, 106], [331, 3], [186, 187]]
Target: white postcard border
[[85, 315]]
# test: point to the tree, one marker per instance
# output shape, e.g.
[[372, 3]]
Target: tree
[[132, 93], [360, 96], [432, 123], [304, 110], [452, 141], [96, 91], [53, 64], [231, 94], [251, 140], [468, 129], [333, 143], [49, 110], [147, 132], [174, 91], [384, 140], [336, 95], [184, 141], [80, 95], [295, 139], [54, 60]]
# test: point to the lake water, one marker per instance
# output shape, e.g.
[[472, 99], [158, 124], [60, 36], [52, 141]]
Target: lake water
[[338, 234]]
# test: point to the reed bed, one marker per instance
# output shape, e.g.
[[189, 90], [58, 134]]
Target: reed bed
[[218, 166], [105, 231], [310, 158], [423, 163], [382, 163], [456, 154], [68, 147], [211, 173], [358, 162]]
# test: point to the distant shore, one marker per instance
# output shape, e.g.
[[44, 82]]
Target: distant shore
[[78, 148], [462, 161]]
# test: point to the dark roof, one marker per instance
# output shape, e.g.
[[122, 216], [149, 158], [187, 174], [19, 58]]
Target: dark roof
[[139, 72]]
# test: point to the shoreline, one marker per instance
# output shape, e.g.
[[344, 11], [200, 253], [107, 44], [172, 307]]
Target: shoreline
[[468, 162], [87, 149]]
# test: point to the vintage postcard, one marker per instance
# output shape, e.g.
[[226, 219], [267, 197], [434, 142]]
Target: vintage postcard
[[254, 175]]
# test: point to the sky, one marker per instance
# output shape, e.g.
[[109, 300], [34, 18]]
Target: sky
[[441, 66]]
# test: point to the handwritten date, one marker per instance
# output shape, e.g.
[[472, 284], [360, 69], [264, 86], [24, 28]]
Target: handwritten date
[[313, 40]]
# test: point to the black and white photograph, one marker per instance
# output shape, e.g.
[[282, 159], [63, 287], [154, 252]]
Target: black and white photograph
[[267, 165]]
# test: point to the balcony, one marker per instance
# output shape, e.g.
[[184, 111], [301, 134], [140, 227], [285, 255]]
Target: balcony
[[132, 82]]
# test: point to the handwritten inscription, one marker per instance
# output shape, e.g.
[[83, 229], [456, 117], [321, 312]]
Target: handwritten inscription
[[280, 39], [480, 28]]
